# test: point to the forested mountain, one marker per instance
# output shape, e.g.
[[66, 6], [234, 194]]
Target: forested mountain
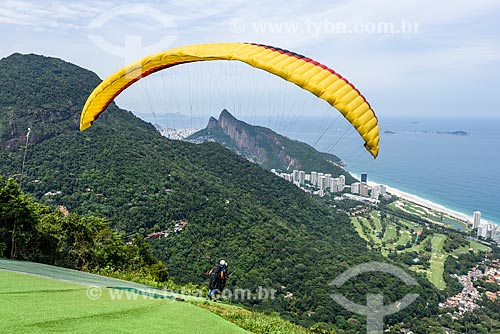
[[122, 169], [267, 148]]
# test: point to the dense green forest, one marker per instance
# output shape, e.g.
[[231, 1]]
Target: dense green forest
[[35, 232], [122, 178]]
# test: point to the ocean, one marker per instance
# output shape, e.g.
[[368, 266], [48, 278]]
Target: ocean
[[422, 156], [417, 155], [454, 162]]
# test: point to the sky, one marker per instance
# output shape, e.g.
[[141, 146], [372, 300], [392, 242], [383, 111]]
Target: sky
[[412, 57]]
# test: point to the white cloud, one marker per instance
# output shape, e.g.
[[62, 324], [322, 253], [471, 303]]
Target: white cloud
[[48, 14], [455, 40]]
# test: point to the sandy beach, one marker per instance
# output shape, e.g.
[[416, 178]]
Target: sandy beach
[[424, 202]]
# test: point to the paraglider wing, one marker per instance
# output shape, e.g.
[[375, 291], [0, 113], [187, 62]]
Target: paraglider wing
[[302, 71]]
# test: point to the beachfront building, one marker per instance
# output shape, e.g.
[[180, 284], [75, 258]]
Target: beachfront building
[[341, 183], [355, 187], [383, 189], [476, 221], [364, 177], [334, 185], [375, 192], [319, 181], [320, 184], [488, 230], [363, 189], [482, 230], [495, 235]]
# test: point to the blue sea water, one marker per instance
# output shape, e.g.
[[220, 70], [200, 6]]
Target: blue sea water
[[459, 172], [419, 156]]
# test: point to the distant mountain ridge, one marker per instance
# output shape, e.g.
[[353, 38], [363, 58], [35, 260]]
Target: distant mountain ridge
[[266, 147]]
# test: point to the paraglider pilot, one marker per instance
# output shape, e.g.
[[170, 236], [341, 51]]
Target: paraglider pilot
[[218, 277]]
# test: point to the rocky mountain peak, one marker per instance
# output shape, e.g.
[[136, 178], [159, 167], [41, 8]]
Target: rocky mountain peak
[[265, 147], [212, 123]]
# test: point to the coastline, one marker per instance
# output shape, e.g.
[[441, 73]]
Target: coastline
[[421, 201], [426, 203]]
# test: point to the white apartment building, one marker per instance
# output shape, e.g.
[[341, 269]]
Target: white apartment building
[[341, 184], [314, 178], [363, 190], [334, 185], [355, 187], [383, 189], [302, 177], [482, 230], [476, 220]]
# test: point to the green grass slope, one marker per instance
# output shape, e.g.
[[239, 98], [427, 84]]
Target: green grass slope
[[30, 304]]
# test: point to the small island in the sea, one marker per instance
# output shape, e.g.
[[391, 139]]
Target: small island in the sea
[[456, 133]]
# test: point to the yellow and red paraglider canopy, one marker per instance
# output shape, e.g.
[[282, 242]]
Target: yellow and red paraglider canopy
[[306, 73]]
